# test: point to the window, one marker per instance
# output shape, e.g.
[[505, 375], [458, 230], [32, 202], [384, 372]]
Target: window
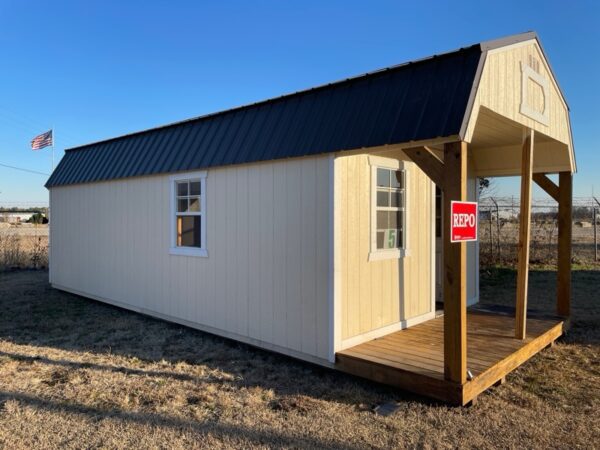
[[188, 211], [388, 215]]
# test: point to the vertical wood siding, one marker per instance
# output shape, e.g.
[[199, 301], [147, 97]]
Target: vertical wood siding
[[500, 91], [266, 275], [375, 294]]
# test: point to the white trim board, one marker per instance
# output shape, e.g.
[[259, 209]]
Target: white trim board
[[433, 276], [376, 162], [187, 251], [334, 288], [525, 108]]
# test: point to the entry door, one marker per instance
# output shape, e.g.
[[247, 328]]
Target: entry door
[[439, 260]]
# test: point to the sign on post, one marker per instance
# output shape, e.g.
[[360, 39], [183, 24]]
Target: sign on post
[[463, 226]]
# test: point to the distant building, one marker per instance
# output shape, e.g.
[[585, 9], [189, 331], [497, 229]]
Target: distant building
[[15, 217]]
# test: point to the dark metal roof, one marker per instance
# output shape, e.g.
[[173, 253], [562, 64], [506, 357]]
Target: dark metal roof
[[420, 100]]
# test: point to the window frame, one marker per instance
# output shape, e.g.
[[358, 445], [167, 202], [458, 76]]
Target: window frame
[[174, 249], [376, 254]]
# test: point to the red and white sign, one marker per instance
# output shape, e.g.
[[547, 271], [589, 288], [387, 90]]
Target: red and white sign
[[463, 226]]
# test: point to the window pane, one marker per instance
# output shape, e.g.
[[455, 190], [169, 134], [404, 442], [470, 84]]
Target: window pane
[[380, 235], [397, 179], [383, 177], [194, 204], [182, 205], [383, 198], [393, 219], [182, 188], [382, 220], [188, 231], [195, 188], [401, 217], [390, 238], [397, 199]]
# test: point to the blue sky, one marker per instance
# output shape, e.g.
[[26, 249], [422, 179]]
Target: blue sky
[[96, 69]]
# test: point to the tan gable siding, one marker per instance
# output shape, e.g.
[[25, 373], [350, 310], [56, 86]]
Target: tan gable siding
[[371, 291], [500, 91], [265, 280]]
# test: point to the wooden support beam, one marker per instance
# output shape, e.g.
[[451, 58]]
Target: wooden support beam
[[524, 236], [546, 184], [428, 162], [565, 230], [454, 185]]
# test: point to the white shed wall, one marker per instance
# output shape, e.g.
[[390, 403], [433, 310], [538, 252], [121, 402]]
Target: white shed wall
[[265, 280]]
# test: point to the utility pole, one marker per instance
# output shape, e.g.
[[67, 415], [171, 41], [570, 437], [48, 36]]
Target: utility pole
[[595, 229], [595, 234]]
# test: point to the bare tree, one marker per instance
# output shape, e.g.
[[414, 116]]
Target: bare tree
[[487, 187]]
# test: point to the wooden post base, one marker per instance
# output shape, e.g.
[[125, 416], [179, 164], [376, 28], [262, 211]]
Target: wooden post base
[[500, 382]]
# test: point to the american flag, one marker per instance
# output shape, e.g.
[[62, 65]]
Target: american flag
[[41, 141]]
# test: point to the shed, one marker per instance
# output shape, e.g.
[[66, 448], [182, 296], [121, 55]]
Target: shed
[[315, 224]]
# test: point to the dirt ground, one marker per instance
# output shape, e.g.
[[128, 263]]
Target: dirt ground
[[78, 373]]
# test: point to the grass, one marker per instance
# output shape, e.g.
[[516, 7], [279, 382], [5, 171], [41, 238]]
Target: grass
[[23, 247], [77, 373]]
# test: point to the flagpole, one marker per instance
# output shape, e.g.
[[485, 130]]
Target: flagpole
[[53, 139]]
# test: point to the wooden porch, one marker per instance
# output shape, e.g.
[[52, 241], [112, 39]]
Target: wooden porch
[[459, 355], [413, 359]]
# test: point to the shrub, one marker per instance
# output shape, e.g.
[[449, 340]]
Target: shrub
[[38, 218]]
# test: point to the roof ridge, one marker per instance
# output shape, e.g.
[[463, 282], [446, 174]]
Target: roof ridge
[[279, 97]]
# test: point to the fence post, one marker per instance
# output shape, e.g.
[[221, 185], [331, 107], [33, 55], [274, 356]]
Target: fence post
[[595, 236], [497, 227], [491, 237]]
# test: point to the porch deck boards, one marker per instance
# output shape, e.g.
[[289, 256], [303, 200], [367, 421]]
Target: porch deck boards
[[413, 359]]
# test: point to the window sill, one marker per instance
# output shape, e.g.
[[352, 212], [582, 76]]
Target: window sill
[[395, 253], [188, 251]]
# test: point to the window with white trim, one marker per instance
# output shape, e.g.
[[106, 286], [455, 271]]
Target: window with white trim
[[188, 211], [388, 215]]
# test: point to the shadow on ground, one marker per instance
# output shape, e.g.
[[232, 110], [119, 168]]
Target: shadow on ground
[[36, 314], [498, 287], [78, 359], [33, 313]]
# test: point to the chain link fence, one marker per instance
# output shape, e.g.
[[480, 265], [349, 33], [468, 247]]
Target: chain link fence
[[499, 230]]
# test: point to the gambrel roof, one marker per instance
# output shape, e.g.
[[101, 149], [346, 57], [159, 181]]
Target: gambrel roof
[[413, 102]]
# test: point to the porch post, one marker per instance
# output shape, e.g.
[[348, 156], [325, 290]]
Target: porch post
[[565, 225], [455, 255], [524, 236]]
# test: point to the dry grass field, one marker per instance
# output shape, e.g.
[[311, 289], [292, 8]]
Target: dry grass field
[[24, 246], [78, 373], [544, 243]]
